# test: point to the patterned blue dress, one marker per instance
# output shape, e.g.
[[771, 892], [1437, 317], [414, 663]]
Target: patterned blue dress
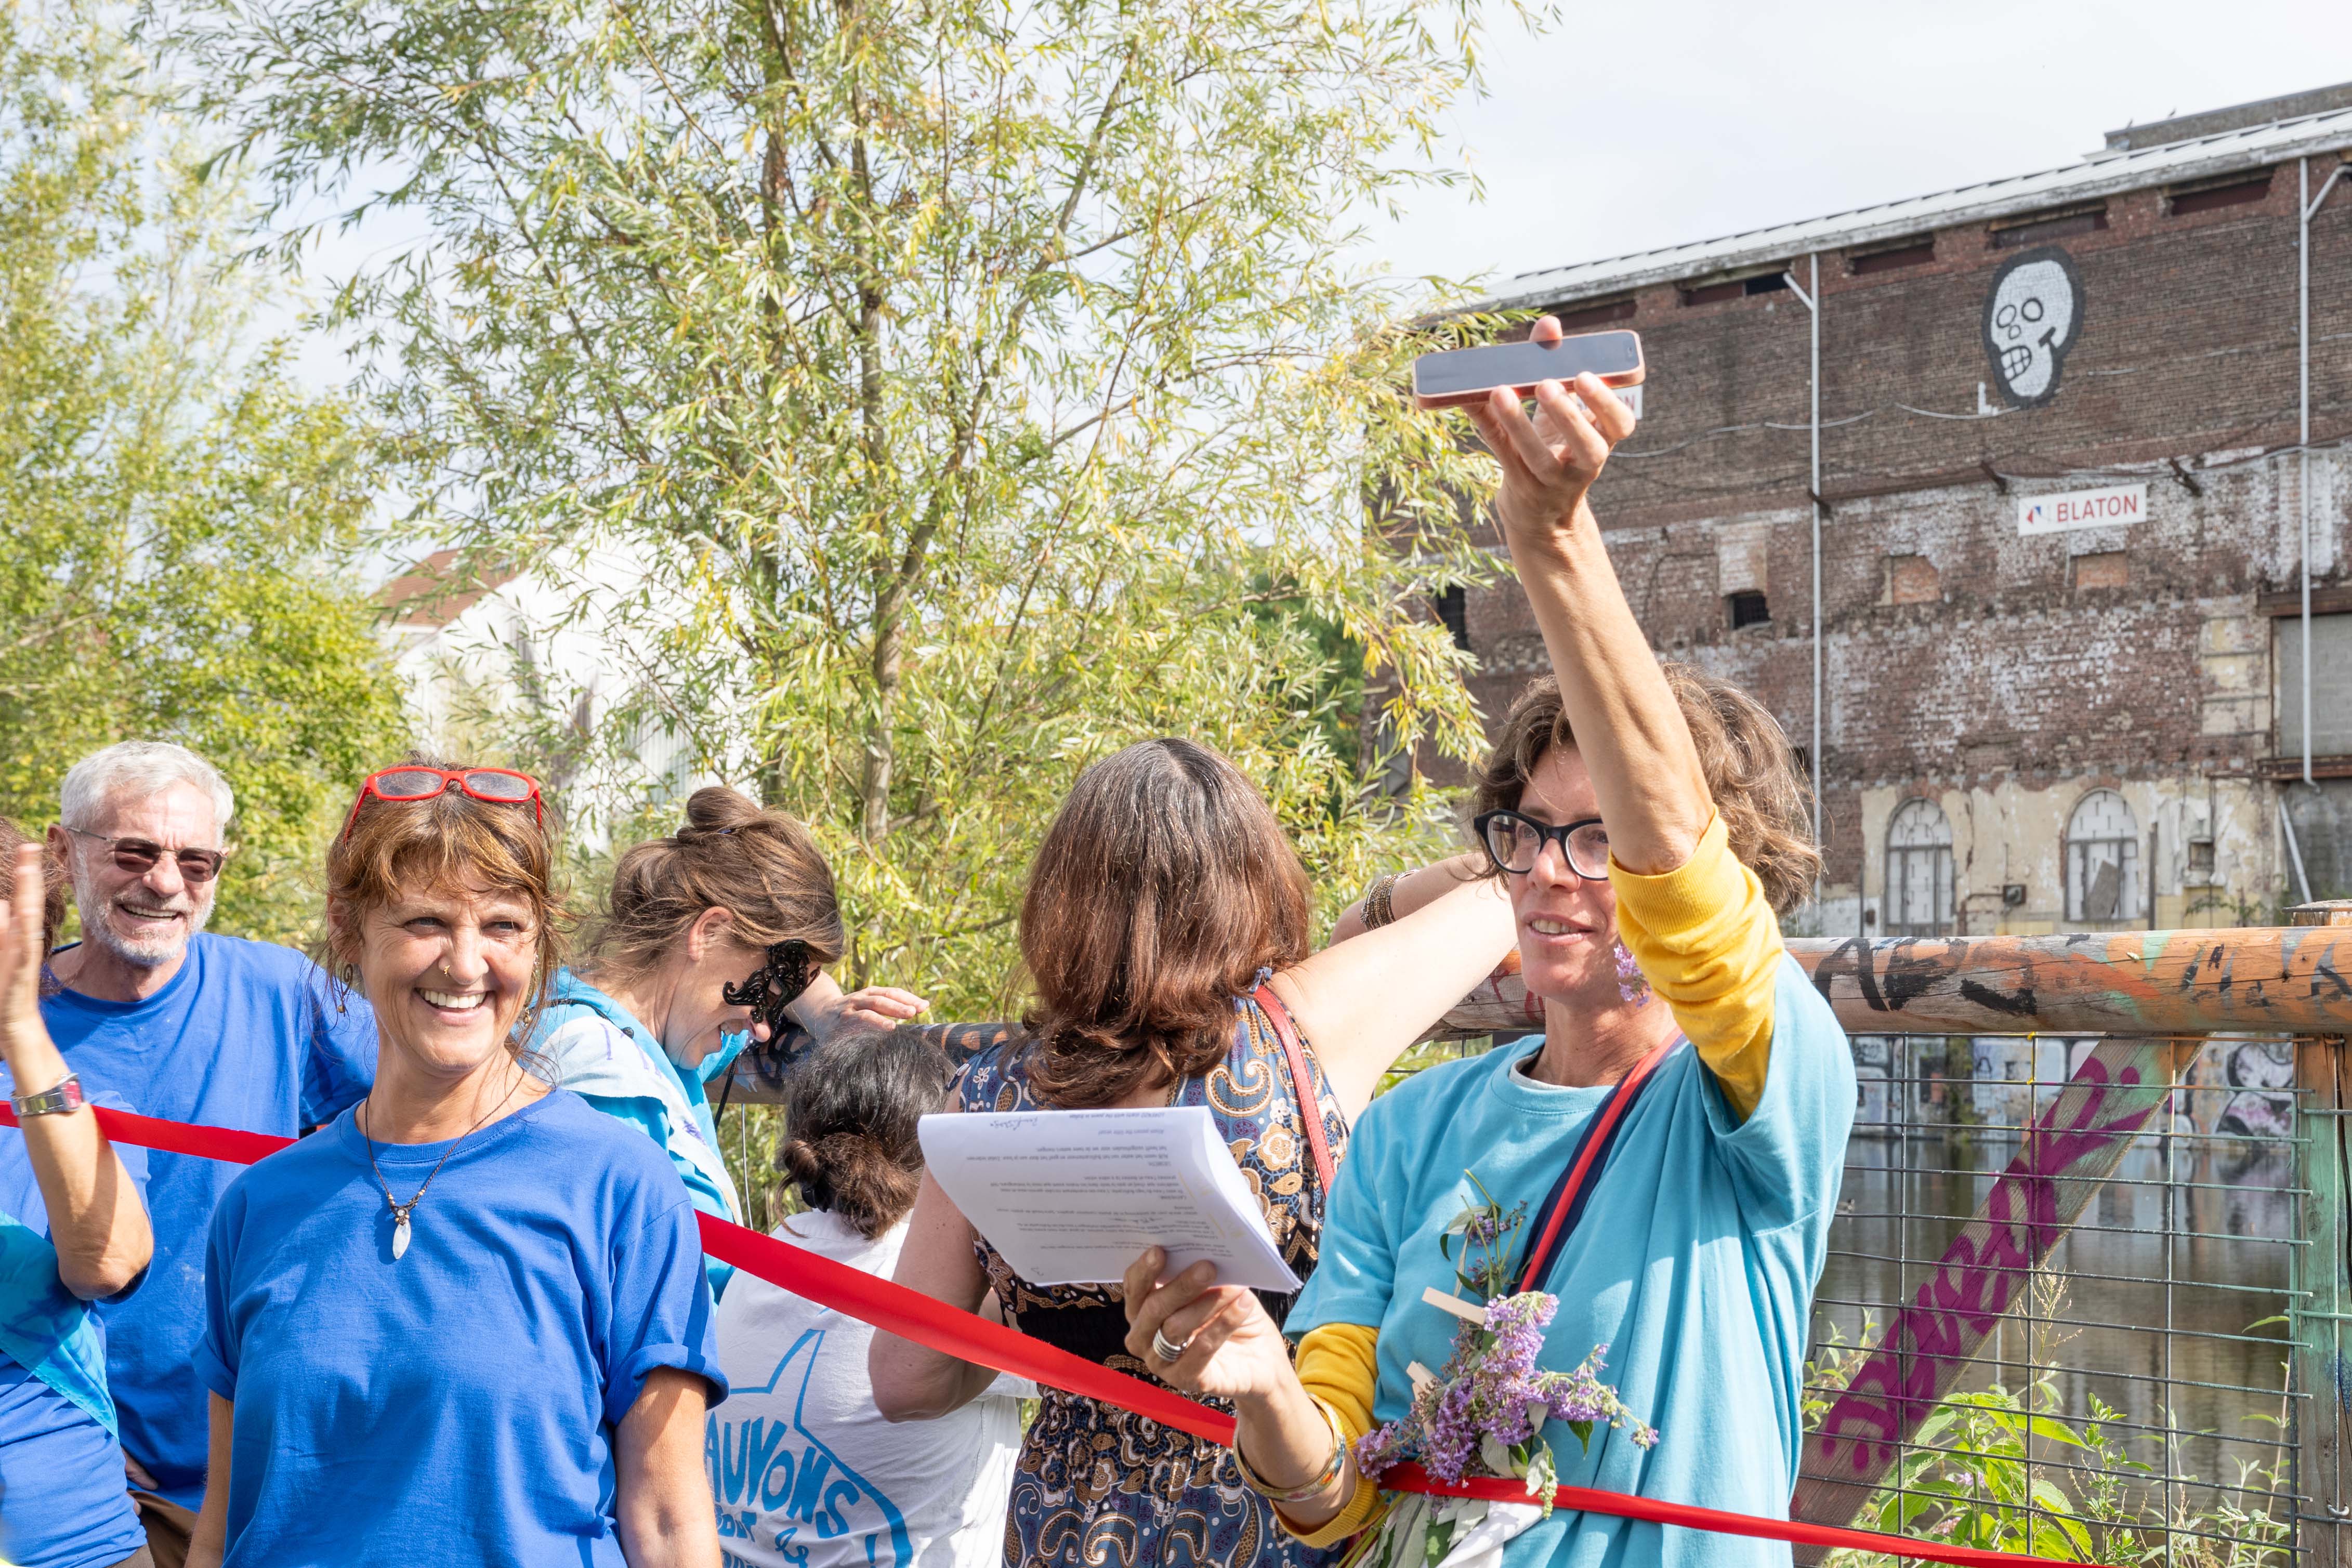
[[1098, 1487]]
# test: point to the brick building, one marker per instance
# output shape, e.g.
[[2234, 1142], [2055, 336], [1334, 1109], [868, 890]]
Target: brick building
[[2063, 483]]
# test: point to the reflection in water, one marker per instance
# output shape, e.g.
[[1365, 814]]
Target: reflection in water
[[2170, 1275]]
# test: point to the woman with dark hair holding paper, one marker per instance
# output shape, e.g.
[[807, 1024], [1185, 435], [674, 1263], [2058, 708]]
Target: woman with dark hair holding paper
[[1165, 929], [1647, 826]]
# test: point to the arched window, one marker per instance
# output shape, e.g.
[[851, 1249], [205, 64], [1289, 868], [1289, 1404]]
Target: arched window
[[1918, 871], [2103, 870]]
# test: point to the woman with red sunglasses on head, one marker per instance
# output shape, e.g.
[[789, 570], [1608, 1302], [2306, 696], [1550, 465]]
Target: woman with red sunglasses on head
[[467, 1321], [710, 938]]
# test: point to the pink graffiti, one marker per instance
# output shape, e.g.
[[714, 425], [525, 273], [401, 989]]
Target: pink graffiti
[[1979, 1275]]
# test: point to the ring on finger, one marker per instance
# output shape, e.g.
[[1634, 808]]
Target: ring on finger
[[1166, 1352]]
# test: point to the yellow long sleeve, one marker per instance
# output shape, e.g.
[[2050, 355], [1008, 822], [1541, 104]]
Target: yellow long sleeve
[[1340, 1370], [1707, 942]]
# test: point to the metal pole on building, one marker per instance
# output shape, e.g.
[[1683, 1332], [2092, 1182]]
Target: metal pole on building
[[1813, 307], [2305, 205], [1809, 293]]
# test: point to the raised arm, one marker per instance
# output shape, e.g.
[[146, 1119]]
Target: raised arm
[[97, 1223], [1628, 727], [1361, 1002], [1406, 892]]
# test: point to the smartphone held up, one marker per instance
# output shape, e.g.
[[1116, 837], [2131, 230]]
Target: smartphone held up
[[1454, 378]]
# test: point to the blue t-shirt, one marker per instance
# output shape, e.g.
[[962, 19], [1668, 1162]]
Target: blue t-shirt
[[1695, 1263], [244, 1035], [454, 1404], [62, 1503]]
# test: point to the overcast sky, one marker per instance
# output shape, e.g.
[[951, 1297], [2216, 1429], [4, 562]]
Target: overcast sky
[[1634, 125]]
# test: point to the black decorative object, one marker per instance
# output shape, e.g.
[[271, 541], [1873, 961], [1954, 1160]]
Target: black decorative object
[[777, 986]]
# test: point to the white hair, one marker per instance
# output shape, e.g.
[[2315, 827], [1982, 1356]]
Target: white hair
[[144, 766]]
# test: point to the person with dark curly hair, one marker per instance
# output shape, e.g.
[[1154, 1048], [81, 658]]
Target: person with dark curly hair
[[808, 1471]]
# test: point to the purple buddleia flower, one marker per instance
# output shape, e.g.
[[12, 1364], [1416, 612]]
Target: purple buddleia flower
[[1632, 983]]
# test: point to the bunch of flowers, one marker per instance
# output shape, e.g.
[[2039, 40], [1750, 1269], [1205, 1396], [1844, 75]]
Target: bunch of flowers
[[1485, 1413]]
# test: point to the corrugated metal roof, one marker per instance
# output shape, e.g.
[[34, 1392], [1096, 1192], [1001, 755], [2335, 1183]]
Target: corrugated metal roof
[[2101, 174]]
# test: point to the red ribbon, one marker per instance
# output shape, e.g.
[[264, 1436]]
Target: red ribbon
[[910, 1314]]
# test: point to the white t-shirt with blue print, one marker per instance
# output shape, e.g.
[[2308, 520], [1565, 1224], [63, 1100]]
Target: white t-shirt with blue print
[[804, 1469], [1695, 1263]]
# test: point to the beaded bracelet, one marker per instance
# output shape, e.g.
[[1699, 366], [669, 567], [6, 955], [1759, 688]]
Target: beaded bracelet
[[1379, 907], [1311, 1490]]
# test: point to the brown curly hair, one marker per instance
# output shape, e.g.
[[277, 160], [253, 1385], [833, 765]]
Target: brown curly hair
[[1162, 888], [1750, 768]]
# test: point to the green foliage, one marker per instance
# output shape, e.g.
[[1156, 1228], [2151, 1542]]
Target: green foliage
[[965, 389], [171, 516], [2006, 1469]]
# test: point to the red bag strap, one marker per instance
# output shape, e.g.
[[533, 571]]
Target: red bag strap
[[1310, 1111]]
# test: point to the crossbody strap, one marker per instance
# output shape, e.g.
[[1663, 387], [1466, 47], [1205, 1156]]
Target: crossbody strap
[[1310, 1112], [1565, 1204]]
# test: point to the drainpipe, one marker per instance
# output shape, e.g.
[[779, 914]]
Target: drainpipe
[[2305, 205], [1811, 299]]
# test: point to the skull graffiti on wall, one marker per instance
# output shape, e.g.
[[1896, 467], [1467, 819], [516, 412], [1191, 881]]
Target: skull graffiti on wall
[[2031, 318]]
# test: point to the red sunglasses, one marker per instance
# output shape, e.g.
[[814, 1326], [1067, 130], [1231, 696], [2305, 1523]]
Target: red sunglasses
[[499, 785]]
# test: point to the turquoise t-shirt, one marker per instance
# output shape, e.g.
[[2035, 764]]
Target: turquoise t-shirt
[[596, 1048], [1694, 1263]]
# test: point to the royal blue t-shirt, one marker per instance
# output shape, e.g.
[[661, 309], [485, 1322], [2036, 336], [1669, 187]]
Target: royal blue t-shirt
[[244, 1035], [1694, 1263], [455, 1404], [62, 1503]]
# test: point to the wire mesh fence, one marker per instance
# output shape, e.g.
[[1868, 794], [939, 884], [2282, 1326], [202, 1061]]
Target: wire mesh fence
[[2056, 1315]]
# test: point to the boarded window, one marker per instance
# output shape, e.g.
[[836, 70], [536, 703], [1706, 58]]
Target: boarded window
[[2102, 568], [1584, 318], [1913, 580], [2102, 873], [2057, 225], [1892, 260], [2229, 193], [2331, 685], [1919, 871]]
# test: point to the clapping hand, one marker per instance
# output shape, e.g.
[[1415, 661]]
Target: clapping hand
[[20, 957], [1551, 461]]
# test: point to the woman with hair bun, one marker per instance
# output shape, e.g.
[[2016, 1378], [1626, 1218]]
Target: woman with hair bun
[[466, 1320], [926, 1496], [710, 938]]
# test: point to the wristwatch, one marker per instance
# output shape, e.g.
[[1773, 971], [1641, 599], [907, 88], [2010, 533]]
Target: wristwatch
[[59, 1098]]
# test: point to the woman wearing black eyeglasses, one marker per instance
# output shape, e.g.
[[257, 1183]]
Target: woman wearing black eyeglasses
[[1675, 1132], [711, 938]]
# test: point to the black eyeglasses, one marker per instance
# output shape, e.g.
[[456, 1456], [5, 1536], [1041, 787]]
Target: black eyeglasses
[[1513, 842], [139, 855]]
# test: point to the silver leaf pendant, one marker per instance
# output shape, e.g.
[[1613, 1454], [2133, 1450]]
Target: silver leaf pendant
[[399, 1234]]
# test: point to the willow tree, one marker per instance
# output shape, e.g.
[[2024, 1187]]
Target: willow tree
[[975, 386], [177, 517]]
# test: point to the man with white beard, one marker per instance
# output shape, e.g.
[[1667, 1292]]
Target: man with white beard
[[192, 1026]]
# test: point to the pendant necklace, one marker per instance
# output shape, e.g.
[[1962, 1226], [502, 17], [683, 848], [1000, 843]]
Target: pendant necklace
[[401, 1211]]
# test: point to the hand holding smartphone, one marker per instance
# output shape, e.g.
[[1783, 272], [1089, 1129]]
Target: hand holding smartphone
[[1454, 378]]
